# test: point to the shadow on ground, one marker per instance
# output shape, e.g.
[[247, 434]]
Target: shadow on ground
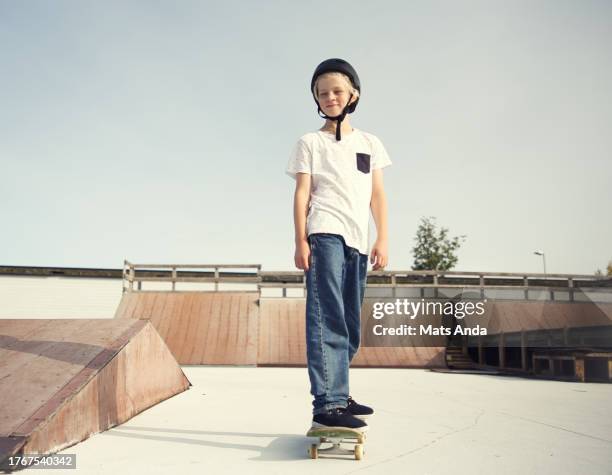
[[283, 447]]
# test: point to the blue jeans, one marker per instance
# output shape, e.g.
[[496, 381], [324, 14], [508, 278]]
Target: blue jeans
[[335, 285]]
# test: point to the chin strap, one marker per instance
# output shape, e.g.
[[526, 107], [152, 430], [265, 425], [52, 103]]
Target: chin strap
[[338, 118]]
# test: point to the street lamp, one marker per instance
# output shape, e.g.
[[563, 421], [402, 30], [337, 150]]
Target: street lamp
[[541, 253]]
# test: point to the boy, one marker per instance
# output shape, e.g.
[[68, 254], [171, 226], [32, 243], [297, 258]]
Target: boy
[[338, 173]]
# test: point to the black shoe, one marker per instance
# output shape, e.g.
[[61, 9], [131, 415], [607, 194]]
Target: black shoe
[[339, 417], [359, 410]]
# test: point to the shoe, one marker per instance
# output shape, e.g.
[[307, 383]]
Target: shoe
[[338, 417], [358, 410]]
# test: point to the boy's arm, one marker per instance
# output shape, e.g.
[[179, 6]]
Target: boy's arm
[[301, 201], [378, 205]]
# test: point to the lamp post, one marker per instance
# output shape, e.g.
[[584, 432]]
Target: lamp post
[[541, 253]]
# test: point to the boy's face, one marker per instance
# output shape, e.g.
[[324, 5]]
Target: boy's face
[[333, 95]]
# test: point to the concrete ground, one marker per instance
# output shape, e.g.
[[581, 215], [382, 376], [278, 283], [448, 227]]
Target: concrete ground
[[253, 420]]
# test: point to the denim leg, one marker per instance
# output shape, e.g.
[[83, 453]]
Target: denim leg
[[326, 330], [353, 291]]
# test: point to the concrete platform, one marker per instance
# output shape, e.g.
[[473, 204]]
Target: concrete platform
[[253, 420]]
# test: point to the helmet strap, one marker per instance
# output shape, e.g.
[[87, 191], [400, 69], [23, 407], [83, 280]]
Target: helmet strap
[[338, 118]]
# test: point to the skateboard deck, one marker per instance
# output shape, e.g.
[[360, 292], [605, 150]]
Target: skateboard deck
[[337, 436]]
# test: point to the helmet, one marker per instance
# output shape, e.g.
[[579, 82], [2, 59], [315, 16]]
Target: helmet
[[340, 66]]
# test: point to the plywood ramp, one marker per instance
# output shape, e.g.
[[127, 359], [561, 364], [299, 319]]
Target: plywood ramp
[[282, 332], [282, 340], [64, 380], [200, 327], [536, 315]]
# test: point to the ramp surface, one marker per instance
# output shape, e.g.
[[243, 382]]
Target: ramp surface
[[63, 380], [240, 328], [282, 340], [516, 316], [200, 327]]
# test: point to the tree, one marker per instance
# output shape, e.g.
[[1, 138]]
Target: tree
[[599, 273], [434, 250]]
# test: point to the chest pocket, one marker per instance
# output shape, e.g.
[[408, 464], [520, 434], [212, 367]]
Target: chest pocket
[[363, 162]]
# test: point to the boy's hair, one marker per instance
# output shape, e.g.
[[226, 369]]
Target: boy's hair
[[346, 79]]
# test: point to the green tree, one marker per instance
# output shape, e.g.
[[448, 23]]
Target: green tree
[[599, 273], [434, 250]]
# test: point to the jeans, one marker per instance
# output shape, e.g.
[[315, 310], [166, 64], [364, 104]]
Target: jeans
[[335, 285]]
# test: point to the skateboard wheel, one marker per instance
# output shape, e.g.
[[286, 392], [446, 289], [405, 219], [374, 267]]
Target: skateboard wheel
[[358, 452], [314, 453]]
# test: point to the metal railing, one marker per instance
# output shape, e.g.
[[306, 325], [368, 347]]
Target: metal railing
[[134, 275]]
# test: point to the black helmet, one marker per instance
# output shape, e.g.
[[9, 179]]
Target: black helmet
[[339, 66]]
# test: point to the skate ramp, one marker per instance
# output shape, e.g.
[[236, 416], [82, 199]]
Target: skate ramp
[[282, 340], [200, 327], [240, 328], [506, 317], [64, 380]]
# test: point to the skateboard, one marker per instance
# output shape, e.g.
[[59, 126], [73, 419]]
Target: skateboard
[[336, 436]]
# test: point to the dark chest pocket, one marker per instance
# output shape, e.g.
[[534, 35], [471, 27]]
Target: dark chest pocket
[[363, 162]]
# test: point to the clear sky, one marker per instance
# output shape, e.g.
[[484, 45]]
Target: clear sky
[[159, 131]]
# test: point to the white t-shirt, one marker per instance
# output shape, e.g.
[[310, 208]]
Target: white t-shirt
[[341, 182]]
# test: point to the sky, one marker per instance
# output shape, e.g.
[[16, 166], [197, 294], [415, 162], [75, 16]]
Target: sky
[[159, 131]]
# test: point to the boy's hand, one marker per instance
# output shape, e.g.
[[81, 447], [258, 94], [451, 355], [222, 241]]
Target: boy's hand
[[379, 255], [302, 255]]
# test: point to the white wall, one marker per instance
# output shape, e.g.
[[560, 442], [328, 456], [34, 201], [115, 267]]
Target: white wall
[[58, 297], [76, 297]]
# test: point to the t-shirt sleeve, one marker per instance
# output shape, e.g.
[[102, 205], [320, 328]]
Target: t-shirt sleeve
[[380, 157], [300, 160]]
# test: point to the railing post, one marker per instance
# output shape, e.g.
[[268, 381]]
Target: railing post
[[579, 369], [435, 279], [258, 276], [502, 350], [570, 284], [123, 277], [523, 351], [132, 274], [173, 279], [216, 279]]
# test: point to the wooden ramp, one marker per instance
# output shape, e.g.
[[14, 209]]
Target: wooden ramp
[[64, 380], [282, 340], [506, 317], [240, 328], [200, 327]]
